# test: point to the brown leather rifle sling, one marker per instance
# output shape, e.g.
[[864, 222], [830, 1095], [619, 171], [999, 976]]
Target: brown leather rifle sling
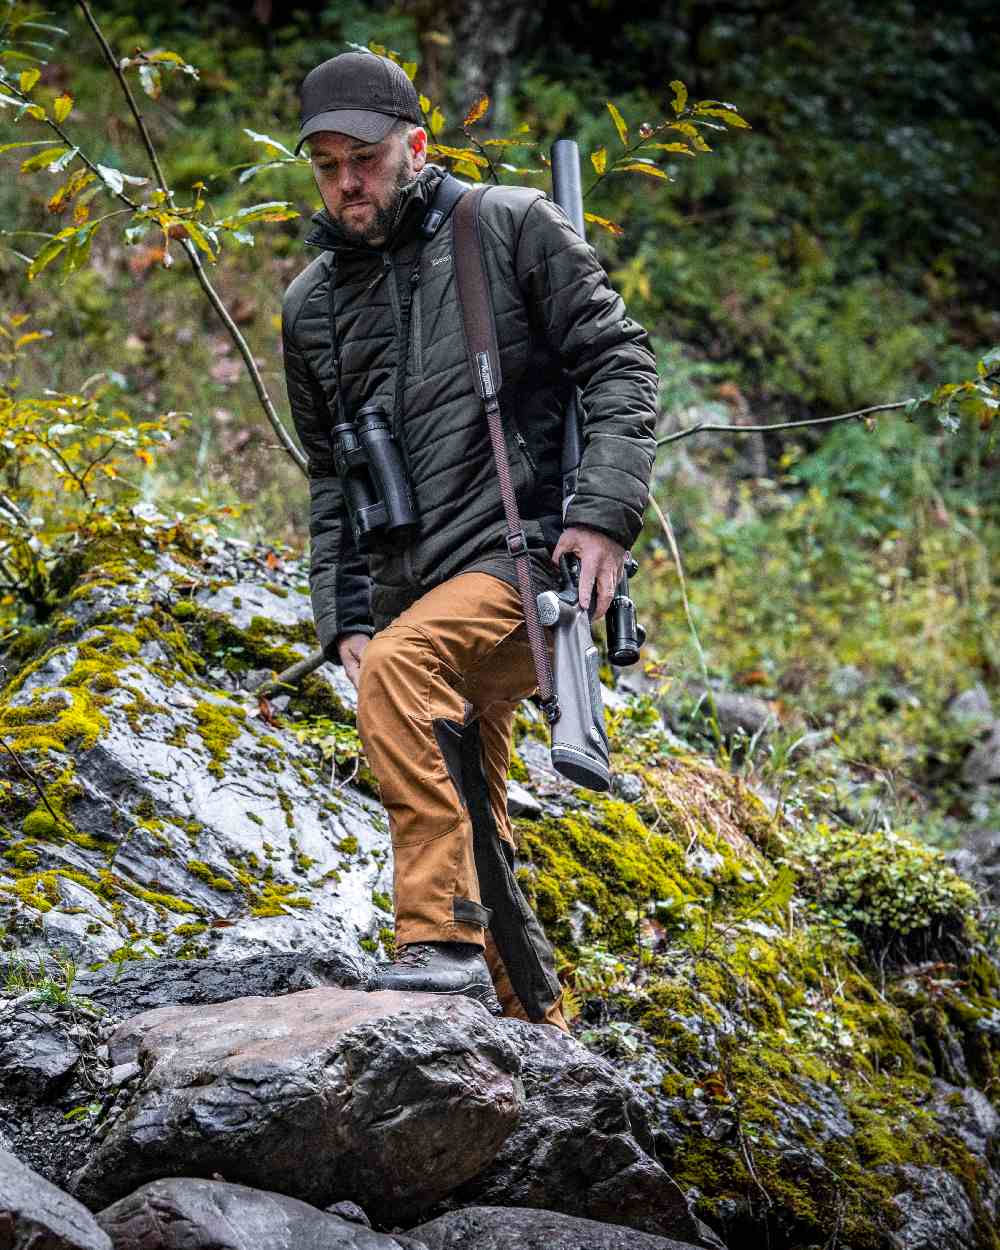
[[484, 362]]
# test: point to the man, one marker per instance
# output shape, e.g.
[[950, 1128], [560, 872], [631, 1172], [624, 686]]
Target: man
[[430, 629]]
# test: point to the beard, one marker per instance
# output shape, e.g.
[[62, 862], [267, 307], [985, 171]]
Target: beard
[[384, 217]]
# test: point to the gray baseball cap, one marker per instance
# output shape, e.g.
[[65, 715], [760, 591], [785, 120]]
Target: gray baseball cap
[[358, 94]]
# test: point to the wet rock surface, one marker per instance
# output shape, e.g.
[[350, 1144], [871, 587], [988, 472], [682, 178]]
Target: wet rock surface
[[196, 1214], [394, 1099], [501, 1228], [35, 1215], [583, 1145]]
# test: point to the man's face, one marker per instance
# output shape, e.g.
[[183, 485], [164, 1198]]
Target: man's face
[[361, 182]]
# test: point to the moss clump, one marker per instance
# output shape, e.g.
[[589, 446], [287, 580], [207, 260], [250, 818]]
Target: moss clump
[[218, 727], [348, 845], [898, 896], [183, 610], [382, 901], [204, 873]]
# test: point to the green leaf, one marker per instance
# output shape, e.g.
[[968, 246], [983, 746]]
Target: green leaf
[[248, 173], [78, 252], [273, 143], [151, 80], [468, 170], [727, 115], [680, 96], [619, 122], [599, 160], [273, 210], [63, 161], [41, 159], [49, 252], [24, 143]]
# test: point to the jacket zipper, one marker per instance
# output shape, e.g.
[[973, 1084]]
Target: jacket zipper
[[522, 447]]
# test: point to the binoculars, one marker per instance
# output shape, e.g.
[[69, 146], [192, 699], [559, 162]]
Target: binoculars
[[370, 466], [625, 635]]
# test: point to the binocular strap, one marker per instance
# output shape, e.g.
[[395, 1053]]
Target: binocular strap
[[518, 935]]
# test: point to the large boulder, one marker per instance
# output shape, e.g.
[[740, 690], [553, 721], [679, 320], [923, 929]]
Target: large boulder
[[182, 1213], [35, 1215], [583, 1146], [390, 1100], [182, 818], [500, 1228]]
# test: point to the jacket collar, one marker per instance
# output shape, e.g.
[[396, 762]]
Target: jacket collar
[[413, 205]]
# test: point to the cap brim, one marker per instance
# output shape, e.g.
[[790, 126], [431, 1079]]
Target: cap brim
[[360, 124]]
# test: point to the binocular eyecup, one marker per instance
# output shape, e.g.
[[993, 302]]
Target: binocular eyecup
[[370, 466]]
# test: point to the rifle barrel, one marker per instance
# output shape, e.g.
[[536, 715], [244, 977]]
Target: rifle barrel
[[567, 189]]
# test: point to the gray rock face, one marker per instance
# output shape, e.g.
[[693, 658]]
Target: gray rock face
[[389, 1100], [502, 1228], [737, 714], [935, 1209], [582, 1147], [36, 1053], [195, 1214], [972, 708], [143, 985], [35, 1215], [208, 831], [982, 765]]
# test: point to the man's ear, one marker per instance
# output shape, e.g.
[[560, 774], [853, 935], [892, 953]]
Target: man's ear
[[418, 148]]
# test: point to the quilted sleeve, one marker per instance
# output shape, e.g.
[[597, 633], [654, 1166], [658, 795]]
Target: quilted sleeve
[[607, 355], [338, 574]]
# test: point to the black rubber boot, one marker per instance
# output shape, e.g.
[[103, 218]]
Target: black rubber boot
[[441, 968]]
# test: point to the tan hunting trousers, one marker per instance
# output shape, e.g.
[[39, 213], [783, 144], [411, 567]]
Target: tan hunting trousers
[[438, 691]]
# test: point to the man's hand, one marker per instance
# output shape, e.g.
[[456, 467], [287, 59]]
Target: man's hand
[[601, 562], [351, 648]]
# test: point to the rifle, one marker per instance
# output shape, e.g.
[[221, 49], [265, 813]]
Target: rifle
[[579, 738]]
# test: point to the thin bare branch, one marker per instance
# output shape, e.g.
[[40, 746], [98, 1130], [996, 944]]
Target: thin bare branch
[[703, 427], [35, 782], [12, 510], [192, 254]]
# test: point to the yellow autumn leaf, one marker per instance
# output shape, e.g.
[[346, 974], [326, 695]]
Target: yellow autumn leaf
[[145, 456], [651, 171], [680, 96], [457, 154], [467, 170], [437, 122], [477, 111], [410, 69], [28, 79], [425, 104], [612, 227], [62, 107], [620, 126], [599, 160]]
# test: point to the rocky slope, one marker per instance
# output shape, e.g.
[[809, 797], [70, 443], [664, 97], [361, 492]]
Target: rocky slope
[[787, 1031]]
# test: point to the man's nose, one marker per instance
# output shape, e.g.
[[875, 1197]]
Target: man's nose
[[349, 179]]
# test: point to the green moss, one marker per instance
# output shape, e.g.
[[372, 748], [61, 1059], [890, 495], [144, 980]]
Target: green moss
[[189, 930], [183, 609], [348, 845], [218, 727], [204, 873], [381, 901]]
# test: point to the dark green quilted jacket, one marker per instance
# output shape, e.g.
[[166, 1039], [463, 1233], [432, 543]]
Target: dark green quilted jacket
[[559, 323]]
